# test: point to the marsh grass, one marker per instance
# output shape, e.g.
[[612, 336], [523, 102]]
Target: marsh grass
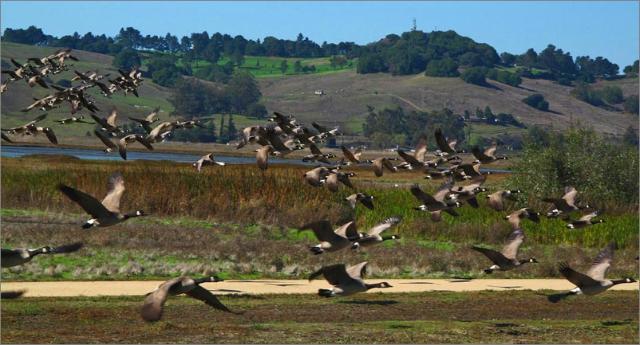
[[244, 195]]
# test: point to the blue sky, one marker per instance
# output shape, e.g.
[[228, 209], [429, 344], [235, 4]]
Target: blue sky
[[608, 29]]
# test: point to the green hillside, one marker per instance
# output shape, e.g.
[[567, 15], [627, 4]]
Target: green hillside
[[346, 97]]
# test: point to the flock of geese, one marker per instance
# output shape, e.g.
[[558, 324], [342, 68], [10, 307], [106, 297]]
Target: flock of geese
[[283, 135]]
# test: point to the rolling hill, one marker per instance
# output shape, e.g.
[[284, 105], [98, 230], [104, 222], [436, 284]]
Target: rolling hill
[[19, 94], [346, 95]]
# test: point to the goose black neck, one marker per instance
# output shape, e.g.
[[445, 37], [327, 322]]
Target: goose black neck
[[620, 281], [41, 250], [525, 261], [131, 215], [386, 238], [373, 286], [203, 280]]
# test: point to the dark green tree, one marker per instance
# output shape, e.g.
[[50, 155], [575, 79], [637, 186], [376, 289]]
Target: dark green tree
[[127, 59], [284, 66]]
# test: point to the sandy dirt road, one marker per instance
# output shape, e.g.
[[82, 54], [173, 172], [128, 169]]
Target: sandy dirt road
[[134, 288]]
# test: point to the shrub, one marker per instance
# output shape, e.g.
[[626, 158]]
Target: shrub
[[127, 59], [585, 93], [537, 101], [601, 171], [474, 75], [442, 68], [612, 94], [504, 77], [631, 104]]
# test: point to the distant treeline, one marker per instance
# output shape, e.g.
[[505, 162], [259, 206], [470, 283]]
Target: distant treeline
[[199, 45], [438, 53]]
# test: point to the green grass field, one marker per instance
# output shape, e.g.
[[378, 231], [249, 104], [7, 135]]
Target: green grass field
[[435, 317], [269, 66]]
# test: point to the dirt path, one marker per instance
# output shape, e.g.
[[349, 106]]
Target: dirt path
[[122, 288]]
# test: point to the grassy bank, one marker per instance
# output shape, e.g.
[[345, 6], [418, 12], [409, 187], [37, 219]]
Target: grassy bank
[[159, 248], [437, 317]]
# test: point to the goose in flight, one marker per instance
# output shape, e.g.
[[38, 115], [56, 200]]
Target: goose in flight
[[496, 200], [345, 280], [20, 256], [330, 240], [594, 281], [131, 138], [154, 302], [438, 202], [107, 212], [507, 258], [585, 221], [565, 204], [366, 200], [106, 141], [373, 235], [488, 155], [207, 160], [524, 213], [148, 120]]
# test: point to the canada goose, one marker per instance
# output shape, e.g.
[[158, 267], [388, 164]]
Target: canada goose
[[47, 131], [249, 136], [585, 221], [317, 155], [317, 176], [366, 200], [79, 119], [411, 161], [154, 302], [6, 138], [262, 156], [207, 160], [161, 131], [593, 282], [524, 213], [352, 157], [37, 79], [88, 77], [467, 171], [468, 193], [335, 177], [107, 212], [148, 120], [436, 203], [566, 204], [189, 124], [437, 174], [131, 138], [488, 155], [496, 200], [15, 257], [373, 235], [106, 141], [331, 240], [507, 258], [445, 146], [345, 280], [26, 128], [11, 294], [46, 103], [4, 86], [109, 123], [379, 164]]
